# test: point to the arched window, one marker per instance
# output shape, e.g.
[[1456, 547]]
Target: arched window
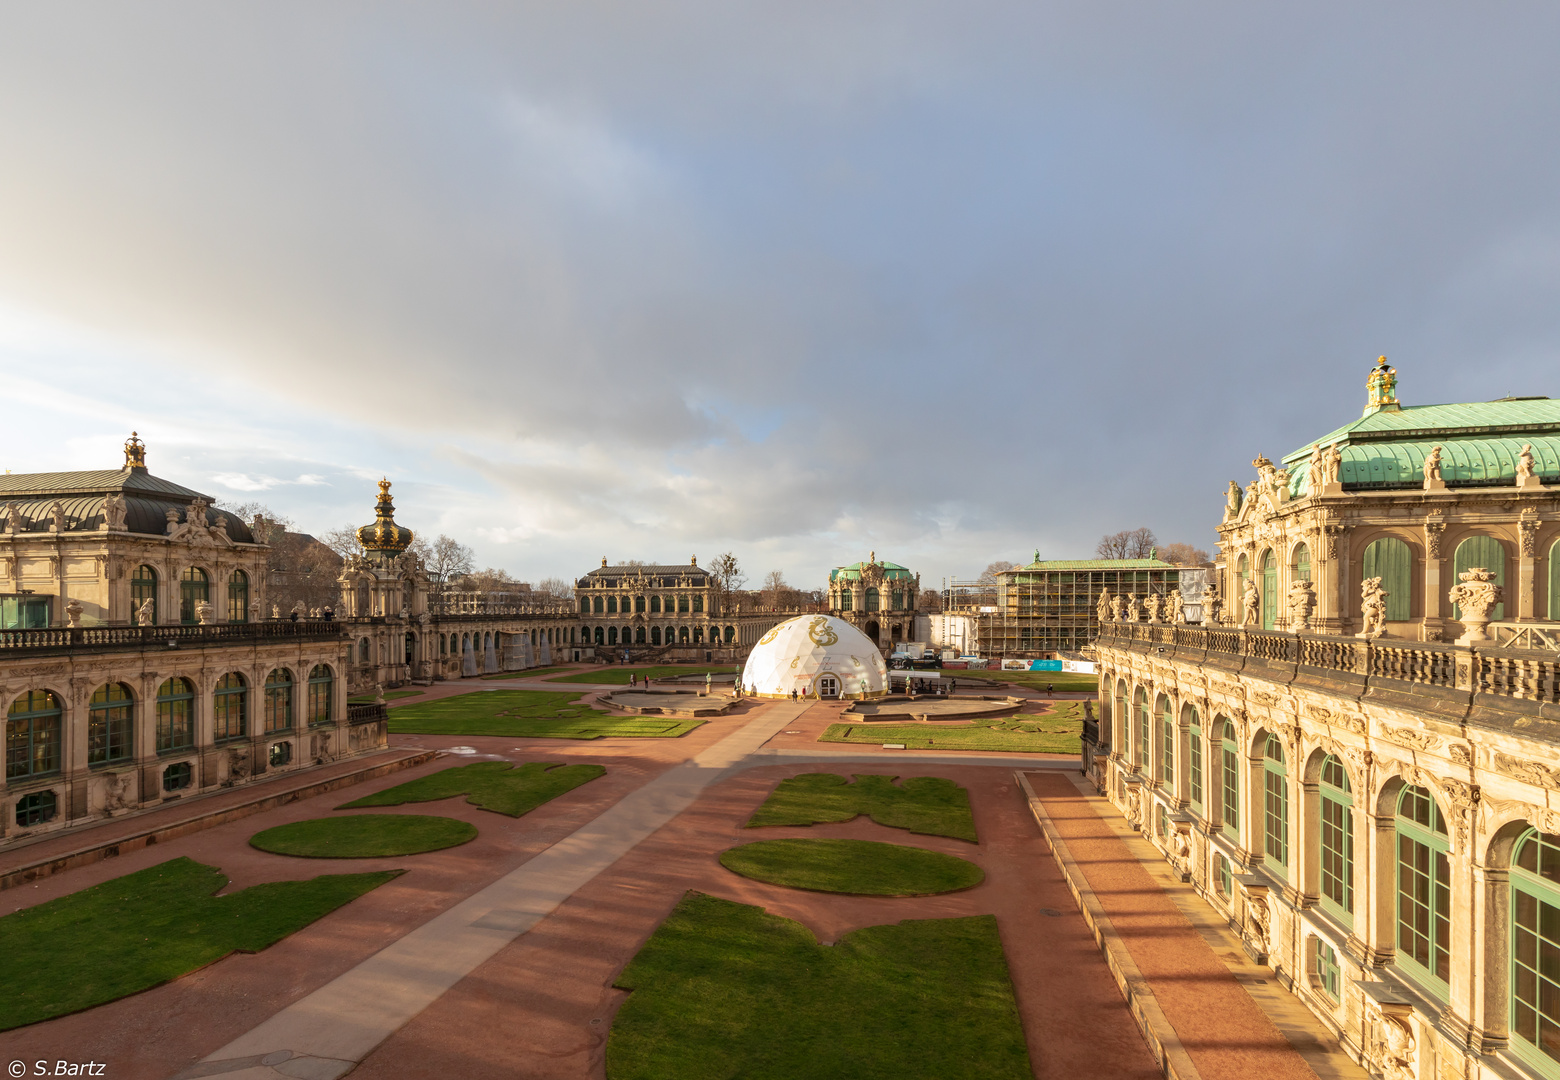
[[898, 598], [1424, 889], [872, 600], [1194, 759], [1535, 950], [596, 606], [847, 600], [655, 635], [682, 605], [175, 715], [1485, 551], [601, 636], [444, 645], [698, 603], [465, 643], [32, 735], [1390, 559], [639, 635], [363, 653], [279, 700], [109, 725], [321, 682], [611, 635], [698, 635], [584, 605], [238, 596], [612, 605], [1142, 728], [230, 708], [1166, 742], [1554, 581], [1301, 567], [731, 634], [1242, 576], [655, 605], [194, 587], [1336, 839], [1229, 779], [639, 605], [1275, 805], [1123, 717], [682, 635], [143, 587], [1269, 589]]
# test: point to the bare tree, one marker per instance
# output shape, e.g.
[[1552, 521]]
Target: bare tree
[[342, 541], [555, 587], [447, 559], [928, 600], [488, 581], [1184, 555], [775, 593], [1127, 544], [988, 576], [631, 562], [299, 568], [727, 577]]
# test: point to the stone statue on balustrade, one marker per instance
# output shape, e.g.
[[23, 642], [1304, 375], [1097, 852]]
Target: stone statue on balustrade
[[204, 611], [1315, 471], [1231, 500], [1102, 609], [1152, 604], [1176, 612], [146, 612], [1132, 609], [1373, 609], [57, 517], [1332, 464], [1212, 604], [1253, 602], [1432, 470], [1117, 607], [1302, 601], [1527, 475], [13, 518], [114, 510], [1476, 594]]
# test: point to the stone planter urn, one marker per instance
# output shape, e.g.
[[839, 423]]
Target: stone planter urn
[[1477, 594]]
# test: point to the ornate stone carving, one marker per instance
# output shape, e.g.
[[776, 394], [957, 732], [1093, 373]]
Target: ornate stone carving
[[1212, 603], [1392, 1048], [1528, 771], [1373, 608], [1332, 464], [203, 611], [144, 613], [1464, 800], [1460, 753], [1253, 602], [1435, 525], [57, 517], [1262, 697], [1527, 528], [1315, 471], [1476, 593], [114, 510], [73, 613], [1432, 469], [13, 518], [1132, 609], [276, 611], [1524, 463], [1102, 609], [1302, 601], [1410, 737], [1117, 606], [118, 792], [1151, 604], [237, 765], [1232, 501]]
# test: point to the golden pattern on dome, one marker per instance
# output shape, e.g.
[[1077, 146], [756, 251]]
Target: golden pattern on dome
[[821, 632], [384, 534]]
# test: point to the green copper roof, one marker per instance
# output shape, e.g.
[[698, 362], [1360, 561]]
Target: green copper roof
[[891, 570], [1095, 564]]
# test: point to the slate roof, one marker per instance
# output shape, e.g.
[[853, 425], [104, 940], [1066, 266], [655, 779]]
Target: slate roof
[[148, 499], [93, 482], [891, 570], [1096, 564]]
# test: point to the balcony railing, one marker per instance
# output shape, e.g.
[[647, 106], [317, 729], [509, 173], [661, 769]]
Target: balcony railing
[[1522, 674], [67, 639]]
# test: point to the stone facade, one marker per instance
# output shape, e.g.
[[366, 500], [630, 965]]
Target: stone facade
[[661, 612], [1370, 804], [877, 598]]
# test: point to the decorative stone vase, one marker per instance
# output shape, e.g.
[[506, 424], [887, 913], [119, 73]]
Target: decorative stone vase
[[1477, 594]]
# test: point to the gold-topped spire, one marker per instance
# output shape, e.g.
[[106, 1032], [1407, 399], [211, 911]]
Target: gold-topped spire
[[1381, 388], [384, 534], [135, 452]]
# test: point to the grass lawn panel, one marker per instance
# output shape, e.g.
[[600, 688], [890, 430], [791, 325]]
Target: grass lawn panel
[[1061, 681], [856, 867], [1059, 730], [364, 836], [529, 673], [726, 990], [618, 676], [147, 928], [390, 695], [515, 790], [528, 714], [929, 805]]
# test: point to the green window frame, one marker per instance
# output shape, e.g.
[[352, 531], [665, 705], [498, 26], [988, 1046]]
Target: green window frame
[[1275, 805], [1392, 561], [597, 606], [1226, 875], [1302, 563], [321, 685], [194, 587], [1167, 734], [1242, 576], [1229, 779], [175, 715], [1194, 761], [1269, 590], [36, 808], [1424, 938], [682, 604], [143, 587], [698, 604], [1485, 551], [872, 599], [110, 725], [897, 597], [178, 776], [1535, 951], [1554, 581], [1142, 729], [279, 700], [32, 735], [238, 597], [230, 708], [1335, 839], [1328, 975], [1123, 732]]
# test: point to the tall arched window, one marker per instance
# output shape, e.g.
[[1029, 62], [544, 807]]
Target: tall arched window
[[698, 603], [611, 635], [1242, 576], [1424, 888], [596, 606], [872, 600], [1275, 805], [109, 725], [143, 587], [1269, 589], [230, 708], [1301, 566], [639, 605], [1194, 759], [175, 715], [238, 596], [601, 636], [321, 682], [32, 735], [1336, 839], [279, 700], [639, 635], [1485, 551], [1123, 717], [1229, 779], [612, 605], [1142, 728], [655, 605], [1166, 742], [363, 650], [194, 588], [898, 599], [847, 600], [1535, 950], [1390, 559], [682, 604], [682, 635], [655, 635], [584, 605], [1554, 581]]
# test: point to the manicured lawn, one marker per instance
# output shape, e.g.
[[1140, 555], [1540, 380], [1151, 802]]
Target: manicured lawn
[[492, 785], [364, 836], [1057, 731], [1060, 681], [390, 695], [857, 867], [147, 928], [618, 676], [928, 805], [529, 673], [725, 990], [522, 714]]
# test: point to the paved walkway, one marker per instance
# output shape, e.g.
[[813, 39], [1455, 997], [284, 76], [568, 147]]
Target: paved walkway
[[326, 1034], [1224, 1013]]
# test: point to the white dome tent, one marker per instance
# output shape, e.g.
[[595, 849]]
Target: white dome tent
[[816, 655]]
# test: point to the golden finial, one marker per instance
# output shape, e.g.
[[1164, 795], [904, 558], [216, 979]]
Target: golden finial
[[1381, 387], [135, 452]]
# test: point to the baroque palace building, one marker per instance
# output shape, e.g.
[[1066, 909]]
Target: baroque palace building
[[135, 664], [877, 598], [671, 612], [1354, 756]]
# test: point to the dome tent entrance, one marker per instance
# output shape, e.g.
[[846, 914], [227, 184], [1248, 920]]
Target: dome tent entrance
[[815, 655]]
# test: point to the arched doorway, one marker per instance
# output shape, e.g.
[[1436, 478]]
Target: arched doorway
[[872, 630], [828, 686]]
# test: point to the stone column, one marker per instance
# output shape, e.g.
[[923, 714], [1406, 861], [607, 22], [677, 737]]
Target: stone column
[[1375, 920], [1435, 596], [1527, 533], [1490, 1009]]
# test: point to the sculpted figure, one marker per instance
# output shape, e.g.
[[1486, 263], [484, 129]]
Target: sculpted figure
[[1117, 606], [1397, 1050], [57, 517], [1151, 604], [254, 611], [114, 509], [1314, 471], [1132, 609], [1476, 593], [1102, 609], [218, 528], [1373, 608], [143, 614], [203, 612], [73, 612], [1177, 612], [117, 793], [1212, 603], [1332, 464], [1302, 600], [13, 518], [276, 611], [173, 522], [1433, 464], [1253, 601], [1524, 461], [1231, 500], [1257, 919]]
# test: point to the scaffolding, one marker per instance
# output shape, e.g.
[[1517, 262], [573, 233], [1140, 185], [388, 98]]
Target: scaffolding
[[1050, 607]]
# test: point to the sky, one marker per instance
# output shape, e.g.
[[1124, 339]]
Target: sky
[[949, 282]]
